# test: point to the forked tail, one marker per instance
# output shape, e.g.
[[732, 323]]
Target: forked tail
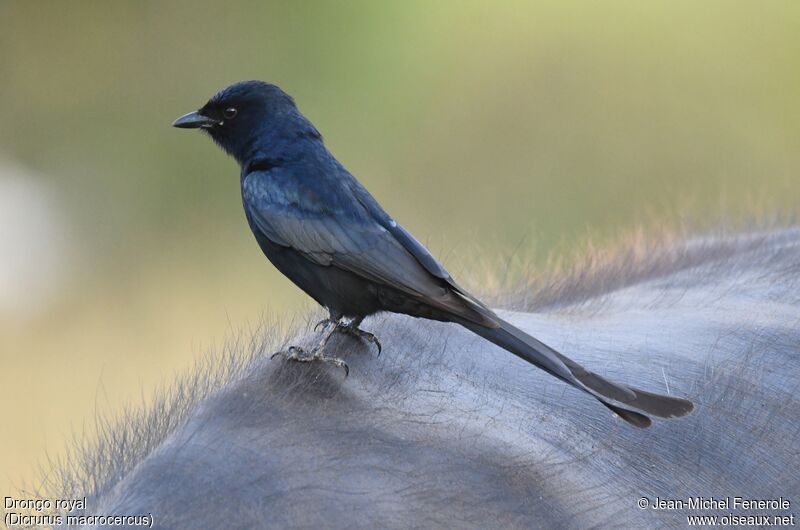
[[631, 404]]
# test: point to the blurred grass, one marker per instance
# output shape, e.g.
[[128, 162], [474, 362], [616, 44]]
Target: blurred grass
[[474, 123]]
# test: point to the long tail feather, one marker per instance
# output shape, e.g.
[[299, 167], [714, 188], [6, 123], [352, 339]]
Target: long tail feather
[[631, 404]]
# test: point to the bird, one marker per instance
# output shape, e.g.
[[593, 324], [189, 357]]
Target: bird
[[322, 229]]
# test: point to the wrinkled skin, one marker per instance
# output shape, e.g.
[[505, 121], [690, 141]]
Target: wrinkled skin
[[446, 430]]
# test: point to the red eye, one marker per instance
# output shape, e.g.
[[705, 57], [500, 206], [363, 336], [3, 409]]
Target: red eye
[[230, 113]]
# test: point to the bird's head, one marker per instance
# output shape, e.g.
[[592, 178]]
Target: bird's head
[[250, 118]]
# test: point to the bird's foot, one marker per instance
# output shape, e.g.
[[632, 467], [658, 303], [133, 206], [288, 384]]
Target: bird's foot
[[324, 323], [297, 354], [355, 331]]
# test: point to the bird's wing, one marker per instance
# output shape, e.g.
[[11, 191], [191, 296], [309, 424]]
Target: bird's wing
[[336, 230], [410, 243]]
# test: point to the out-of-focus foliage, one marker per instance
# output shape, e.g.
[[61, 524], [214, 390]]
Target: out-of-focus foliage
[[477, 124]]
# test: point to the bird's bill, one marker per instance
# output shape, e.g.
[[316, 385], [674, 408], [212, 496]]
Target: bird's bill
[[194, 120]]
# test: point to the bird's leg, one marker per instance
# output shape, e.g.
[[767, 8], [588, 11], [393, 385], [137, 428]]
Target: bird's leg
[[295, 353], [319, 351], [333, 318], [353, 330]]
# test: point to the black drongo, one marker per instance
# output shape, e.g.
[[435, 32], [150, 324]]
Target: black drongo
[[322, 229]]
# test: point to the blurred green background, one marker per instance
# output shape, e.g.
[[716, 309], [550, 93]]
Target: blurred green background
[[124, 252]]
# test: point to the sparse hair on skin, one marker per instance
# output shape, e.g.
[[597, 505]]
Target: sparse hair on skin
[[446, 429]]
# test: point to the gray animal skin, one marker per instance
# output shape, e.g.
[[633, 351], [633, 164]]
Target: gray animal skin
[[445, 430]]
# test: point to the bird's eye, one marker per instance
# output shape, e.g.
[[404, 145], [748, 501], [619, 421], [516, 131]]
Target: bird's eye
[[230, 113]]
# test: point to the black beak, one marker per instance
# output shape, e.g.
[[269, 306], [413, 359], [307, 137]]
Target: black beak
[[194, 120]]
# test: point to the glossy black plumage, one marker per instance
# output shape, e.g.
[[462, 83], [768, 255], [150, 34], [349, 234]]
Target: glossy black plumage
[[322, 229]]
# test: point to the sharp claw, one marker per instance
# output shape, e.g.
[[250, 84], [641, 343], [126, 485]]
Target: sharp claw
[[366, 335], [374, 340], [291, 353], [369, 337], [336, 362], [324, 321]]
